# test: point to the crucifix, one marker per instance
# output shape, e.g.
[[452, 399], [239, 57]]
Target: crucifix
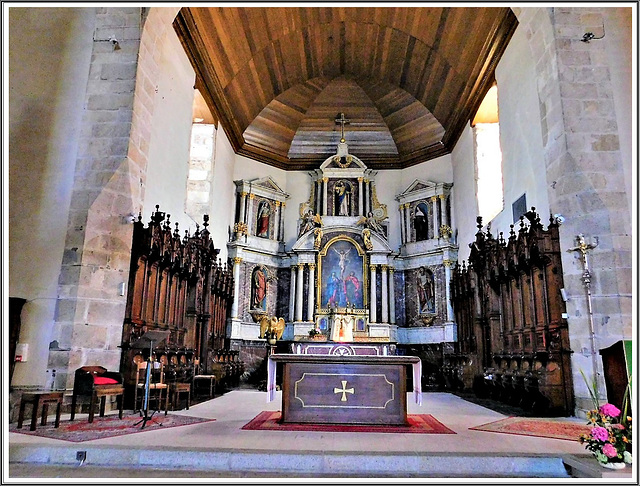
[[583, 247], [342, 121]]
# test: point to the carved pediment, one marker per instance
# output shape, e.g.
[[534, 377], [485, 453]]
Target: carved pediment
[[419, 189]]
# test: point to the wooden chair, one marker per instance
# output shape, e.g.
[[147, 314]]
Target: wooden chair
[[97, 383], [198, 376], [158, 388]]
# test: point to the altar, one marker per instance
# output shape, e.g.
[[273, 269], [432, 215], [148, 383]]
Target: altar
[[329, 389]]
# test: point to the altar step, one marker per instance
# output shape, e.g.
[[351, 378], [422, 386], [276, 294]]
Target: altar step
[[248, 463]]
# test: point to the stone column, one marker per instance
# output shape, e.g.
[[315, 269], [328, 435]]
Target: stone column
[[385, 295], [236, 287], [250, 226], [402, 232], [312, 290], [372, 300], [407, 220], [243, 203], [360, 196], [318, 184], [324, 195], [392, 297], [299, 287], [292, 294], [283, 205], [367, 192], [436, 225], [443, 209], [447, 289], [276, 222]]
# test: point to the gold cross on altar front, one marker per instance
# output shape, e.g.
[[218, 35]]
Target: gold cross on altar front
[[344, 390]]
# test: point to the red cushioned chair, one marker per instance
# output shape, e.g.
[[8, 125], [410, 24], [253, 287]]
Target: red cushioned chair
[[96, 382]]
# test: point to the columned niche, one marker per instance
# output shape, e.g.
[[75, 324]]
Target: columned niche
[[513, 338]]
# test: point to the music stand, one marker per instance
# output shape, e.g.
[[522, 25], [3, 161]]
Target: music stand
[[147, 340]]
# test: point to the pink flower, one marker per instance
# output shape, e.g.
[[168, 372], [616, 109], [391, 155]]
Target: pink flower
[[610, 410], [609, 451], [600, 433], [618, 426]]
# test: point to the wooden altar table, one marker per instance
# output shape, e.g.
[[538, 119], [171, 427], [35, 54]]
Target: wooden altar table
[[326, 389]]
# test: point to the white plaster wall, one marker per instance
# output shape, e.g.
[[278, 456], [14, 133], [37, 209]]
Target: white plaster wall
[[222, 197], [523, 163], [618, 40], [170, 137], [465, 204], [49, 54], [298, 187]]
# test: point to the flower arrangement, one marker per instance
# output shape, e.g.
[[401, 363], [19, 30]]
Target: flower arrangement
[[445, 231], [610, 437], [314, 332]]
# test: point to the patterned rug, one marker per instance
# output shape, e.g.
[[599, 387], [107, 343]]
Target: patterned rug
[[418, 424], [81, 430], [536, 427]]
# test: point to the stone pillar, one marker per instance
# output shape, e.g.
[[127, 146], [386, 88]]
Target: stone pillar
[[299, 287], [367, 193], [403, 239], [447, 289], [283, 205], [276, 222], [392, 297], [385, 295], [318, 184], [312, 289], [236, 287], [443, 209], [360, 197], [372, 300], [436, 225], [407, 220], [243, 204], [324, 195], [250, 226], [292, 294]]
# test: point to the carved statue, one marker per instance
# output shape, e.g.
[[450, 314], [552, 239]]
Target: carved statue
[[366, 236], [318, 241], [271, 324], [372, 223]]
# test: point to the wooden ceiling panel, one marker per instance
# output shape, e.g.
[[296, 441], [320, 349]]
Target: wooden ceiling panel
[[408, 78]]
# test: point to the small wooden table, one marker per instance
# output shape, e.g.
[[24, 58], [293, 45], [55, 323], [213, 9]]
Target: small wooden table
[[40, 399]]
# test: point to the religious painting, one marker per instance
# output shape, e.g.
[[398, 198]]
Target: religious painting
[[426, 293], [342, 281], [259, 288], [420, 222], [262, 222]]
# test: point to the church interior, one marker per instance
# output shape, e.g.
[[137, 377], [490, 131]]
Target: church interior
[[193, 191]]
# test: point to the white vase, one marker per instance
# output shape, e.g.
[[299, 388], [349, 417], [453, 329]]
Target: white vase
[[613, 465]]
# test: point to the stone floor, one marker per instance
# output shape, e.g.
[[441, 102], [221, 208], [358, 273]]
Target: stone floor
[[219, 449]]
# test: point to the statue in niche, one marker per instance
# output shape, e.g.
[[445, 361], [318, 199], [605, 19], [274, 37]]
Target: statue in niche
[[342, 199], [264, 215], [259, 289], [426, 295], [420, 222]]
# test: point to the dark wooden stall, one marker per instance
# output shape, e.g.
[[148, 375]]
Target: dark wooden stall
[[513, 339], [176, 284]]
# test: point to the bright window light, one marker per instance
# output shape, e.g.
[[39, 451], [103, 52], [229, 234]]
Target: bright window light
[[489, 170]]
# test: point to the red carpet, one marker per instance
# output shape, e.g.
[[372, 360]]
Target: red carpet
[[418, 424], [536, 427], [81, 430]]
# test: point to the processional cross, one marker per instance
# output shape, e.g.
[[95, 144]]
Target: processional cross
[[342, 121]]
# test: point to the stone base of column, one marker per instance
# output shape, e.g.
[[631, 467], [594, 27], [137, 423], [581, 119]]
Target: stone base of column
[[238, 329], [379, 330]]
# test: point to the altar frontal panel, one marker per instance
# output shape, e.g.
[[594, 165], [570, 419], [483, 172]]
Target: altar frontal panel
[[344, 393]]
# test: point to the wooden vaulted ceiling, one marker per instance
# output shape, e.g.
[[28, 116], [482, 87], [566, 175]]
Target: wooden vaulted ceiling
[[407, 79]]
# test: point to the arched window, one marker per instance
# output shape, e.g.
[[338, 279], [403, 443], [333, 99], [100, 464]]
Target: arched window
[[488, 157]]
